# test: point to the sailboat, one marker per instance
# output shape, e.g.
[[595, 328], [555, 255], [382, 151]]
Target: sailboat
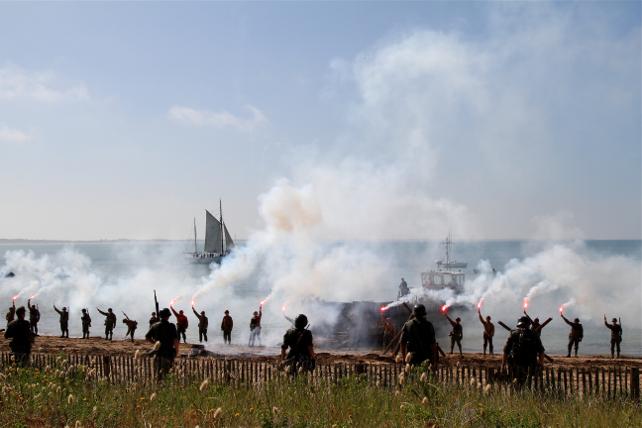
[[218, 241]]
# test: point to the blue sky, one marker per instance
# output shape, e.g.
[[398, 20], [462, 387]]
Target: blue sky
[[500, 120]]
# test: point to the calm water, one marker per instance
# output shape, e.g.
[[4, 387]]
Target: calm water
[[113, 261]]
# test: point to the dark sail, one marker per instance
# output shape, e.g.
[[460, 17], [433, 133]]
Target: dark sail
[[213, 235]]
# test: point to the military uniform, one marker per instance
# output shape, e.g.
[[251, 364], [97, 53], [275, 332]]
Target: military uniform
[[85, 319], [521, 352], [181, 323], [575, 336], [299, 342], [34, 317], [64, 321], [456, 335], [418, 338], [489, 332], [255, 328], [616, 336], [167, 334], [226, 326], [110, 323], [203, 323], [20, 332]]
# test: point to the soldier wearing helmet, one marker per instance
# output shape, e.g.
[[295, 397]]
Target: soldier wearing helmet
[[64, 320], [165, 335], [523, 352], [457, 333], [616, 335], [300, 344], [418, 338], [575, 336]]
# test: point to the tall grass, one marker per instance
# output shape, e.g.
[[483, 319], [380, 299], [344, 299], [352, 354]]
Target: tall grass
[[61, 395]]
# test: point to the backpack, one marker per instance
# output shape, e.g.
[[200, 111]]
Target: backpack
[[524, 347]]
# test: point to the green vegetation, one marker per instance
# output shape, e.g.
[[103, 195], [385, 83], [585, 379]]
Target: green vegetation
[[64, 396]]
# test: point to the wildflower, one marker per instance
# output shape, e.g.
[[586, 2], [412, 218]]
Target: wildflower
[[408, 368], [398, 358], [408, 357], [237, 414], [94, 410], [151, 397], [423, 377], [78, 424], [217, 413], [203, 385], [424, 400], [136, 354], [487, 389], [402, 378], [70, 399], [275, 410], [472, 381]]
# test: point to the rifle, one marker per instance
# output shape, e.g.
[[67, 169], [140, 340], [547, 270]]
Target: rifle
[[548, 358], [156, 305]]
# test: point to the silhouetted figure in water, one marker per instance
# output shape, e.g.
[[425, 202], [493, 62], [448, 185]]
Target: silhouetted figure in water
[[202, 325], [226, 326], [34, 317], [64, 321], [85, 319], [616, 335], [110, 323], [575, 336], [20, 332]]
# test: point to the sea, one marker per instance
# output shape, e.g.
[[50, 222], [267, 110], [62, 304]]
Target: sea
[[113, 262]]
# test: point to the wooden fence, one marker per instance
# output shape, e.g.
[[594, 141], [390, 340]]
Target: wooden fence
[[611, 382]]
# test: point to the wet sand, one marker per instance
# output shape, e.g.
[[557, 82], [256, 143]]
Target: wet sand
[[100, 346]]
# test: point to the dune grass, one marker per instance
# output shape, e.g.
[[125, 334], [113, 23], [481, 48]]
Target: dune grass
[[63, 396]]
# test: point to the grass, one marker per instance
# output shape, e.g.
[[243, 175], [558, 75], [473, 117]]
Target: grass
[[63, 396]]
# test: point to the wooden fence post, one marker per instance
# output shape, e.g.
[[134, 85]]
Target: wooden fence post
[[635, 383]]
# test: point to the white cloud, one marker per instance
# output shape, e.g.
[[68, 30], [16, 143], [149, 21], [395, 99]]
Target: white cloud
[[43, 86], [9, 135], [223, 119]]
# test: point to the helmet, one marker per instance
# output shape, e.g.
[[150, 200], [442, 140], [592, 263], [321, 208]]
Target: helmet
[[419, 310], [458, 319], [523, 322], [164, 313], [577, 320], [614, 320], [301, 321], [226, 312]]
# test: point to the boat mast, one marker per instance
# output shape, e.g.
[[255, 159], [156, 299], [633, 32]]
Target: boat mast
[[195, 250], [220, 212]]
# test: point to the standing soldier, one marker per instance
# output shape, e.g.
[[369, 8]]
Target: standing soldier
[[34, 317], [418, 338], [20, 332], [64, 321], [575, 336], [181, 323], [153, 319], [403, 289], [523, 352], [131, 326], [616, 335], [489, 332], [85, 319], [299, 341], [165, 334], [255, 327], [202, 324], [226, 326], [11, 315], [457, 333], [110, 323], [536, 326]]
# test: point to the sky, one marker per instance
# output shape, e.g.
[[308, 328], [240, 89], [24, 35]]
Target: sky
[[393, 120]]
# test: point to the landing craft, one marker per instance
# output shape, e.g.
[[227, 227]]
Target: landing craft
[[367, 324], [218, 241]]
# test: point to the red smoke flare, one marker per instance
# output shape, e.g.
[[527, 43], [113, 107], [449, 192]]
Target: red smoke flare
[[383, 309], [479, 305], [444, 309], [525, 305]]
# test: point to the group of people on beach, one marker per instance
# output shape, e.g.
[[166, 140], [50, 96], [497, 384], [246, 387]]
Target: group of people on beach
[[297, 350], [575, 336], [182, 323]]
